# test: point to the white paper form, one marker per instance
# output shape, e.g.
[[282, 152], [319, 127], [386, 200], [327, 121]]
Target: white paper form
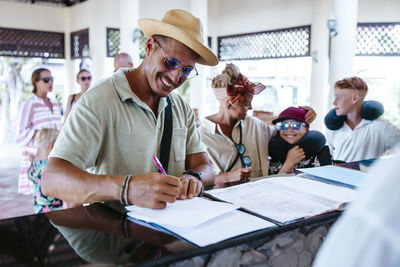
[[228, 225], [196, 220], [336, 174], [285, 199], [182, 213], [223, 227]]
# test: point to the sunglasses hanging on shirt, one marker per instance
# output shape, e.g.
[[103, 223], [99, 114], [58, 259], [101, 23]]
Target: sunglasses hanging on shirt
[[240, 148]]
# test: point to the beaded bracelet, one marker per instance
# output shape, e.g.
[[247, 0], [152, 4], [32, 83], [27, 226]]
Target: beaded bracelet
[[123, 187]]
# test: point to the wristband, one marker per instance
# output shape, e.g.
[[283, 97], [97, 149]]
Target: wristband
[[123, 188], [194, 173], [127, 190]]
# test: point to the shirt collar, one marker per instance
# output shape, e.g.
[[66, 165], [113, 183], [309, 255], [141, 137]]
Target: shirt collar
[[213, 127], [361, 124], [209, 125], [122, 86], [125, 92]]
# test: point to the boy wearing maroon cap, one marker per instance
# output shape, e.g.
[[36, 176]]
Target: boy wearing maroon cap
[[296, 146]]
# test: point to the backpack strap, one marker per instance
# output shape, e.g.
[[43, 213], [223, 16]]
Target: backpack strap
[[167, 135]]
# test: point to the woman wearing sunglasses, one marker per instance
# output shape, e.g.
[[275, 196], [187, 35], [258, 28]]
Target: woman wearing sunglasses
[[38, 112], [83, 78], [296, 146], [236, 143]]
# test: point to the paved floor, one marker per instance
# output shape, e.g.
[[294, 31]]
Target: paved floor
[[12, 204]]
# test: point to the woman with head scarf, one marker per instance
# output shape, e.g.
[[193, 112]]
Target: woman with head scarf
[[236, 143]]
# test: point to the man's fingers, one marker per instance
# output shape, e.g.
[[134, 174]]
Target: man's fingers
[[170, 190], [157, 200], [192, 189], [158, 205], [171, 180], [183, 189], [166, 198]]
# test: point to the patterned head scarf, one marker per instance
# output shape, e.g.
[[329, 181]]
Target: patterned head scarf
[[237, 85]]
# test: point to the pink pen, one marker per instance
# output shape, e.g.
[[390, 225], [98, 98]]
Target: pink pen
[[159, 165]]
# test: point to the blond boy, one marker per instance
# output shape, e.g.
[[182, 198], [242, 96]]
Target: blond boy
[[358, 138]]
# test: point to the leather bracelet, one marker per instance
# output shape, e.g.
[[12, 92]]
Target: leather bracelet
[[126, 190], [121, 193], [194, 173]]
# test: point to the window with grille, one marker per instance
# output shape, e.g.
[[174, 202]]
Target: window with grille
[[378, 39], [113, 41], [282, 43], [28, 43], [80, 44]]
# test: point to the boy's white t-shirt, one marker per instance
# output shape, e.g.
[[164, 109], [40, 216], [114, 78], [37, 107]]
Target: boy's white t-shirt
[[369, 139]]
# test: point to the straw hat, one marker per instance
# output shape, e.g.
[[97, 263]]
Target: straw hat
[[183, 27]]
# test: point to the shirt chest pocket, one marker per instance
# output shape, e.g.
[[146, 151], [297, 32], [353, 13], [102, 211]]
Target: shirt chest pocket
[[179, 143]]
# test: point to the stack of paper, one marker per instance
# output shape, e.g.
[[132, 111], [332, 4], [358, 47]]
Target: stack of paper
[[201, 221], [286, 199], [263, 203], [335, 174]]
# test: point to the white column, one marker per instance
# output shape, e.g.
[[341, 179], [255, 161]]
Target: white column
[[69, 64], [129, 12], [343, 44], [97, 38], [198, 85], [320, 63]]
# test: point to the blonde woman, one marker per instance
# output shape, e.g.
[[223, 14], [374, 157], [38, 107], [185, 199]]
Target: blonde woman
[[38, 112], [83, 78]]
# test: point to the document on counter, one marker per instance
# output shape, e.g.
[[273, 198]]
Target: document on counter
[[286, 199], [198, 220], [182, 213], [334, 174]]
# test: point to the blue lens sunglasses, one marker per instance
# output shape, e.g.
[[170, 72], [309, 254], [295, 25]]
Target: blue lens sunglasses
[[296, 125], [172, 63]]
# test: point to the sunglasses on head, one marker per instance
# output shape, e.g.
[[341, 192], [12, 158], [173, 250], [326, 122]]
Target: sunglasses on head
[[47, 79], [172, 63], [296, 125], [83, 78]]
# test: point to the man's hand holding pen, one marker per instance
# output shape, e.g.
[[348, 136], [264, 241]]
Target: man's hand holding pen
[[154, 190], [191, 186]]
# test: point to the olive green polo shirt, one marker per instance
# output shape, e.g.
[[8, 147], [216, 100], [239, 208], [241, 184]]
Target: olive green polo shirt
[[111, 131]]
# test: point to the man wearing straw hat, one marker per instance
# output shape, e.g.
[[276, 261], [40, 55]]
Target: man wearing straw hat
[[115, 129]]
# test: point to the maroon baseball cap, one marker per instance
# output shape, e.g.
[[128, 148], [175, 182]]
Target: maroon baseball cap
[[292, 113]]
